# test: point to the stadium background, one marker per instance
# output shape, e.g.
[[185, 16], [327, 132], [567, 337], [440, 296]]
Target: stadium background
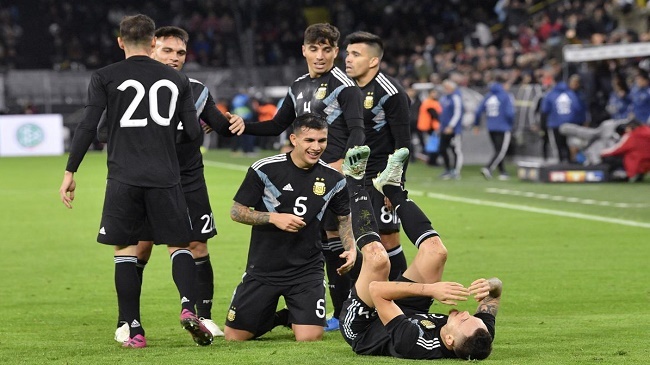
[[49, 48]]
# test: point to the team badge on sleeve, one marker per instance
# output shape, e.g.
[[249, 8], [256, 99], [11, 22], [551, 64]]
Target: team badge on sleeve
[[319, 186], [322, 90]]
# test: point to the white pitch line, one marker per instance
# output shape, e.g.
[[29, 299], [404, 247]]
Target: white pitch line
[[483, 202], [525, 208], [569, 199], [230, 166]]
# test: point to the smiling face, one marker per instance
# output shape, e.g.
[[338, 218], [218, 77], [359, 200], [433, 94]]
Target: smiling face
[[171, 51], [320, 57], [309, 144]]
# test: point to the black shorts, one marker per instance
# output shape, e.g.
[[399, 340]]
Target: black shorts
[[126, 207], [198, 204], [361, 327], [387, 221], [254, 304]]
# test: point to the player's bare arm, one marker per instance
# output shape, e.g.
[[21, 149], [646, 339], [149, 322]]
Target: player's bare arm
[[349, 245], [286, 222], [488, 294], [384, 293]]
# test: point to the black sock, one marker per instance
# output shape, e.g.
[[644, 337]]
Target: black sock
[[127, 286], [140, 267], [364, 225], [184, 274], [204, 287], [339, 286], [415, 223], [397, 262]]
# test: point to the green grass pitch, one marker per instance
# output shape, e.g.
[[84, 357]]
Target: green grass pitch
[[574, 260]]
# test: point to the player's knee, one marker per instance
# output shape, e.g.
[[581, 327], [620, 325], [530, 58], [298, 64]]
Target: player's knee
[[199, 249], [434, 249], [375, 257], [308, 333], [231, 334]]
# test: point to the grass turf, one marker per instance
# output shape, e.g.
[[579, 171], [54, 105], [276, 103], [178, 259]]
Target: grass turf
[[573, 259]]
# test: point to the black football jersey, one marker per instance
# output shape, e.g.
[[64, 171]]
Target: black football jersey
[[417, 336], [189, 154], [386, 120], [275, 184], [144, 102], [333, 96]]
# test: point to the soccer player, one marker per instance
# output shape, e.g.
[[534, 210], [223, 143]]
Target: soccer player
[[499, 108], [284, 198], [451, 127], [327, 91], [144, 101], [171, 49], [385, 115], [391, 318]]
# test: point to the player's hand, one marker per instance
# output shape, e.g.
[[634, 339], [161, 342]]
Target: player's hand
[[388, 204], [448, 130], [66, 191], [237, 124], [480, 288], [350, 258], [447, 292], [287, 222]]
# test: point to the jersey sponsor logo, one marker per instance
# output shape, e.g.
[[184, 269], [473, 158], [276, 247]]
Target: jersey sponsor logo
[[231, 314], [288, 187], [102, 231], [367, 103], [319, 186], [322, 90]]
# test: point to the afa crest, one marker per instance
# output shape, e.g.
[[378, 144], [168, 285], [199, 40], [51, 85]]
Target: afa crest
[[427, 324], [319, 186], [322, 90], [367, 103], [231, 314]]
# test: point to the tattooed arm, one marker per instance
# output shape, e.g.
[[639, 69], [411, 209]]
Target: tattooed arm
[[488, 294], [286, 222], [349, 245]]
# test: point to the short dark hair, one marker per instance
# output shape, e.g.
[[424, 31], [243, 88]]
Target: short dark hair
[[370, 39], [322, 33], [137, 29], [309, 121], [171, 31], [478, 346]]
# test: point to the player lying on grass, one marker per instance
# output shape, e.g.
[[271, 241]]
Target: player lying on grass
[[391, 318]]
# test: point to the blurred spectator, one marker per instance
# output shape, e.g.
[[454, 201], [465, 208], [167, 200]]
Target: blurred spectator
[[634, 148], [265, 111], [428, 124], [641, 97], [241, 105]]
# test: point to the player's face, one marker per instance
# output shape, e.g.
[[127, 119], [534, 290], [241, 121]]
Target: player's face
[[170, 51], [358, 60], [309, 145], [320, 58], [462, 324]]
